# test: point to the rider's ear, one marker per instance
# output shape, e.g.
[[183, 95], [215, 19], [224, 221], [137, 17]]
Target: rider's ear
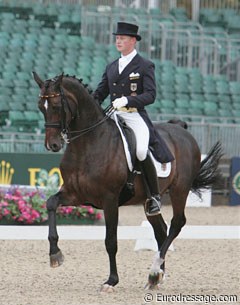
[[37, 79], [58, 82]]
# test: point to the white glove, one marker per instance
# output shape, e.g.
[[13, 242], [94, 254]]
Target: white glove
[[120, 102]]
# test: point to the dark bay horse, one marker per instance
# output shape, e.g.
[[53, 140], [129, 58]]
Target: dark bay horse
[[94, 168]]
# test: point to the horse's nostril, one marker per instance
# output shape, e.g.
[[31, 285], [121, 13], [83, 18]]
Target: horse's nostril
[[55, 147]]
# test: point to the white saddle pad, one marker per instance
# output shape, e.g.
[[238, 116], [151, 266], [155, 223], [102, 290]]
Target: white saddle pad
[[163, 170]]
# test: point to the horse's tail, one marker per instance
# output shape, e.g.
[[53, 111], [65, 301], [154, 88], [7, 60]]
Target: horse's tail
[[209, 172]]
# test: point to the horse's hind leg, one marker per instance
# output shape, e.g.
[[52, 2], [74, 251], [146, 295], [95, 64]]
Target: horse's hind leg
[[156, 274], [178, 221], [56, 257], [164, 241]]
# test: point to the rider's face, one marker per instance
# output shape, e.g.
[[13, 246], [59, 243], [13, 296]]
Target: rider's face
[[125, 44]]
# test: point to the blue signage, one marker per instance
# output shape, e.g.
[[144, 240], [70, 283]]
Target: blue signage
[[235, 181]]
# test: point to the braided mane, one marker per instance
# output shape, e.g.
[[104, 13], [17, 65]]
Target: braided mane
[[78, 79]]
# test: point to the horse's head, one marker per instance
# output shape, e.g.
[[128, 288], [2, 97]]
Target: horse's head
[[56, 110]]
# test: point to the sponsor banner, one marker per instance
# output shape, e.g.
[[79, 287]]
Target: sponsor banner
[[30, 169], [235, 181]]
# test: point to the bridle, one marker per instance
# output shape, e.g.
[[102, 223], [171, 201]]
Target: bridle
[[65, 106], [62, 124]]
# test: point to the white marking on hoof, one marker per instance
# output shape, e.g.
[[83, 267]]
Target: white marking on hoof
[[107, 288], [155, 280]]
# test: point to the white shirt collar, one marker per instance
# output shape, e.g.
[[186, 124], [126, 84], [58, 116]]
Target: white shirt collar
[[125, 60], [130, 56]]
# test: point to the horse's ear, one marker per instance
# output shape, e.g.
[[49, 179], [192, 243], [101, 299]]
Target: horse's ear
[[59, 80], [37, 79]]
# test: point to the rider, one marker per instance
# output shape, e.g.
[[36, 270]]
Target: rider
[[130, 81]]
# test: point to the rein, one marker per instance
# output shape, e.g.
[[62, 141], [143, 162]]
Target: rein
[[108, 111]]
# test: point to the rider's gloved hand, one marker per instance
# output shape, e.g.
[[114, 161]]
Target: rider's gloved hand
[[120, 102]]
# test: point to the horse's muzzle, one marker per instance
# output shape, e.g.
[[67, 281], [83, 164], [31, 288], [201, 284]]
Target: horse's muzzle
[[54, 145]]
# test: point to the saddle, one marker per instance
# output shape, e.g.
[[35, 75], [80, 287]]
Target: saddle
[[129, 143]]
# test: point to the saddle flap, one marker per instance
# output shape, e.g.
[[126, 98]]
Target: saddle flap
[[130, 137]]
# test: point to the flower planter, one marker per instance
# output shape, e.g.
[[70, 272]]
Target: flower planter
[[75, 221], [24, 207]]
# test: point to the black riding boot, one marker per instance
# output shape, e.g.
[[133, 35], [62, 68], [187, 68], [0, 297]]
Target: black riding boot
[[153, 204]]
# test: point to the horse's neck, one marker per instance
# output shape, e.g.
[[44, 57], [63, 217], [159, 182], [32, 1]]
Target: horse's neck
[[103, 134], [89, 113], [90, 124]]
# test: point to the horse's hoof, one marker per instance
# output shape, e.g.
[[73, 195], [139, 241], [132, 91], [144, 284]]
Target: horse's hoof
[[155, 280], [56, 260], [107, 288]]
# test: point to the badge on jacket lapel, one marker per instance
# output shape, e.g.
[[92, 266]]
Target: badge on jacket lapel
[[133, 88], [134, 76]]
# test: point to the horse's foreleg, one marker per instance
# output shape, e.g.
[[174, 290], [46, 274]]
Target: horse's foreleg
[[157, 270], [56, 257], [111, 220]]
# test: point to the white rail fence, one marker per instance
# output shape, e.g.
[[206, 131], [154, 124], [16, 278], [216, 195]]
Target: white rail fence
[[124, 232]]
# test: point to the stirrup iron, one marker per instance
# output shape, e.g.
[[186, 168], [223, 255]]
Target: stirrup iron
[[153, 206]]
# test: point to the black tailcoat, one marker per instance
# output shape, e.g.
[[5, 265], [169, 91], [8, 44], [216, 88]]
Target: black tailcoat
[[137, 83]]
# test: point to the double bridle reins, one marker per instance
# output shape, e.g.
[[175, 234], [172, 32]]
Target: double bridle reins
[[63, 124]]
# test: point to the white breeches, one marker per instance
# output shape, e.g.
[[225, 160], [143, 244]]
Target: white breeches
[[141, 131]]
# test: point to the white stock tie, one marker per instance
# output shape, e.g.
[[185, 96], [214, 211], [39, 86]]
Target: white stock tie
[[122, 63]]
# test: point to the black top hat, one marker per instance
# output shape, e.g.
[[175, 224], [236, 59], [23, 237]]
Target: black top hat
[[127, 29]]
